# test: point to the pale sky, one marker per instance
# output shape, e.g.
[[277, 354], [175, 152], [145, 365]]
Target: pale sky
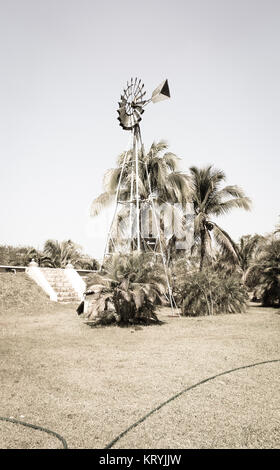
[[64, 64]]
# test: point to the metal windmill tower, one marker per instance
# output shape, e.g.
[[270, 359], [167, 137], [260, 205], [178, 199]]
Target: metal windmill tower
[[130, 111]]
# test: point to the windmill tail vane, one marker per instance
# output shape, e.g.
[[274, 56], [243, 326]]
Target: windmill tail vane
[[161, 92]]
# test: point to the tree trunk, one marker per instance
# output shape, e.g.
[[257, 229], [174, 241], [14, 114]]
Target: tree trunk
[[202, 249]]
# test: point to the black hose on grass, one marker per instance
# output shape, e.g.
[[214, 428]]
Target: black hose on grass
[[110, 445], [141, 420], [39, 428]]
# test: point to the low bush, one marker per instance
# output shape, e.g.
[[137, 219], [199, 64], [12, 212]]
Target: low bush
[[126, 291], [210, 293]]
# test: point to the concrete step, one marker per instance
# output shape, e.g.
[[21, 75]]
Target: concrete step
[[65, 292], [68, 299], [61, 285]]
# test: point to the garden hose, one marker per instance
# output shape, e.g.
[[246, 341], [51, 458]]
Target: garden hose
[[141, 420], [39, 428]]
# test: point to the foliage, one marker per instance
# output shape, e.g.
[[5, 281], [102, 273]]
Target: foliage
[[166, 183], [17, 256], [225, 264], [58, 254], [180, 267], [55, 254], [249, 246], [264, 274], [209, 201], [246, 251], [126, 291], [86, 262], [209, 292]]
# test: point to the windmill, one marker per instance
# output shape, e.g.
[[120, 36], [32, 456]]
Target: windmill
[[131, 108]]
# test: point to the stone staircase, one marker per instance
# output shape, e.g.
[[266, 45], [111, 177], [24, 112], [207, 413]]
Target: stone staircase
[[60, 284]]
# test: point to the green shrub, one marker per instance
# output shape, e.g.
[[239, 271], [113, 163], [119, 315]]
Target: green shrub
[[17, 255], [126, 292], [209, 293]]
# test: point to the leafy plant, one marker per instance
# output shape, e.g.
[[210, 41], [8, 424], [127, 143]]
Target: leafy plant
[[126, 291], [58, 254], [264, 274], [17, 255], [55, 254], [209, 292]]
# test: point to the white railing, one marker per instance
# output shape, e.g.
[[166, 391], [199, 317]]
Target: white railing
[[75, 280]]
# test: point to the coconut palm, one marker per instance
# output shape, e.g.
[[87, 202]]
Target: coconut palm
[[59, 254], [210, 200], [166, 184]]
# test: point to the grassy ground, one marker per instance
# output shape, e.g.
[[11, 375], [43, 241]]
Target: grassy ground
[[89, 384], [20, 292]]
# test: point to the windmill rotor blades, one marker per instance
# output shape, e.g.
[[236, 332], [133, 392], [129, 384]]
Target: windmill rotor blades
[[136, 85], [140, 91], [132, 102]]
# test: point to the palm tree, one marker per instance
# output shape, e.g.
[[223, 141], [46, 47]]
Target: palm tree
[[264, 273], [166, 183], [58, 254], [210, 200], [248, 247]]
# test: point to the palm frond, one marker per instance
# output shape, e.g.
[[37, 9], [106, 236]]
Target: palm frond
[[172, 161], [226, 206], [111, 180], [224, 241], [102, 201]]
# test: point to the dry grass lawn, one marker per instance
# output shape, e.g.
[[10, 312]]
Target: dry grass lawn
[[89, 384]]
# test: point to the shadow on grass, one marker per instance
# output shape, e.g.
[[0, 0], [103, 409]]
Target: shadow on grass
[[132, 326], [259, 305]]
